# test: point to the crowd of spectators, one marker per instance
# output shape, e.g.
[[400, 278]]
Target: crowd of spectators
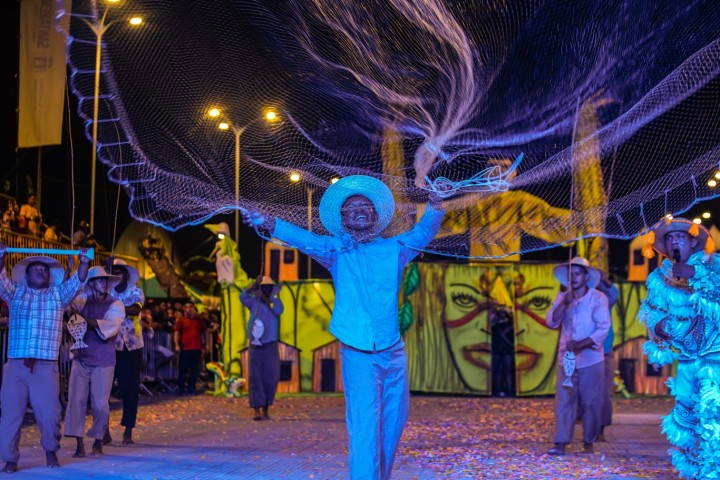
[[166, 312], [26, 219]]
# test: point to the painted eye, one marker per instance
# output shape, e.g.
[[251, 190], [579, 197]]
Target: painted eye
[[539, 302], [463, 300]]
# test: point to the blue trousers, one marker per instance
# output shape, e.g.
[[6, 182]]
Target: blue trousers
[[377, 403]]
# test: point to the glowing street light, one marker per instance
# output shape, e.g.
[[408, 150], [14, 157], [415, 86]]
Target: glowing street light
[[295, 177], [697, 221], [706, 215], [216, 112]]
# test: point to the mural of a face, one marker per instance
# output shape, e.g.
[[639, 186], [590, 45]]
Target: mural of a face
[[535, 288], [468, 304], [466, 323]]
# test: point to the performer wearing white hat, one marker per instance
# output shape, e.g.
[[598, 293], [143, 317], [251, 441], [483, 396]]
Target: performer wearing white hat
[[367, 271], [36, 296], [582, 312]]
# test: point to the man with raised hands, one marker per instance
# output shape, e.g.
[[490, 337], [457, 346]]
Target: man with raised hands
[[37, 296]]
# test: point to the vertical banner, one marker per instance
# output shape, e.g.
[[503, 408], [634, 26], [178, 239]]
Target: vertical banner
[[41, 74]]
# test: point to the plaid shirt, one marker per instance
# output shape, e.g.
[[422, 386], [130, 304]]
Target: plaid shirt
[[130, 334], [36, 317]]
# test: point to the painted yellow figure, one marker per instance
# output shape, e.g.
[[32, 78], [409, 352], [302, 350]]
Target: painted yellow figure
[[233, 280], [227, 258], [496, 222]]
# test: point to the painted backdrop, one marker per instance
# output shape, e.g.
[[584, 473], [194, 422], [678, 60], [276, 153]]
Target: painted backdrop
[[449, 336]]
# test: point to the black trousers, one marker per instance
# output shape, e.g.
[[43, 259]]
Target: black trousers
[[503, 375], [127, 371], [189, 368], [264, 374]]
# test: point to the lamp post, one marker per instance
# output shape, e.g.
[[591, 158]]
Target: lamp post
[[309, 189], [270, 116], [99, 28]]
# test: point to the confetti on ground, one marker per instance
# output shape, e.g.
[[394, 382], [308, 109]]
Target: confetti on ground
[[446, 438]]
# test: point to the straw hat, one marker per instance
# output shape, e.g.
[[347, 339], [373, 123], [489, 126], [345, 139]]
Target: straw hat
[[56, 270], [372, 188], [99, 272], [133, 274], [561, 272], [266, 280], [655, 239]]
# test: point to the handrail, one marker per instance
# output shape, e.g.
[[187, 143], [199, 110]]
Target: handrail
[[18, 240]]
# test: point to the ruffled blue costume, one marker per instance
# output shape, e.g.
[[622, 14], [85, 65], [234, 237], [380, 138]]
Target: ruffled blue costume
[[688, 312]]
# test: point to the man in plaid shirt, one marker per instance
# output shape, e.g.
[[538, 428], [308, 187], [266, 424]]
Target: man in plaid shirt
[[36, 296]]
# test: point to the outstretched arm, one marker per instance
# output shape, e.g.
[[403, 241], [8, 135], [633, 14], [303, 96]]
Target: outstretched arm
[[252, 217]]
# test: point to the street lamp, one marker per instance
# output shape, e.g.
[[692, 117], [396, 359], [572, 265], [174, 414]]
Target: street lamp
[[215, 112], [99, 28], [295, 178]]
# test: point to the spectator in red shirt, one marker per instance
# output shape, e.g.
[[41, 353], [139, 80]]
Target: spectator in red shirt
[[190, 342]]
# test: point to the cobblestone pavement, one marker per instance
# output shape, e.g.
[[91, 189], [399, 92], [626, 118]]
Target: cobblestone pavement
[[206, 437]]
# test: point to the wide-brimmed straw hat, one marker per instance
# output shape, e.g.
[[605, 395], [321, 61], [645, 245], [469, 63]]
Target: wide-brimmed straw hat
[[655, 239], [371, 188], [561, 272], [56, 270], [99, 272], [133, 274], [266, 280]]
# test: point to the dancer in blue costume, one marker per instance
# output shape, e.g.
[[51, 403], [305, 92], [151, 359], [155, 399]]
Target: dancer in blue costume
[[367, 271], [681, 312]]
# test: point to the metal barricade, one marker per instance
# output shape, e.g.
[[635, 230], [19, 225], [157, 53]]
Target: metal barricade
[[160, 362]]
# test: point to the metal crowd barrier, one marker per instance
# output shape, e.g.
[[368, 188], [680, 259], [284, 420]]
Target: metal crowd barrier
[[160, 362]]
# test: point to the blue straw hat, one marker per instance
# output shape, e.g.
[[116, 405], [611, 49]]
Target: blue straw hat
[[371, 188]]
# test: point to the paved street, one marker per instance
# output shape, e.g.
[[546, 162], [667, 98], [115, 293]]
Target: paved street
[[205, 437]]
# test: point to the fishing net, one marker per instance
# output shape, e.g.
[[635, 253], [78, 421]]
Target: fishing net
[[607, 109]]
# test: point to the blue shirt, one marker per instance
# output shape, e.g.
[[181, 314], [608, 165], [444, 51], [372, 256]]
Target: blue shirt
[[269, 317], [367, 277]]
